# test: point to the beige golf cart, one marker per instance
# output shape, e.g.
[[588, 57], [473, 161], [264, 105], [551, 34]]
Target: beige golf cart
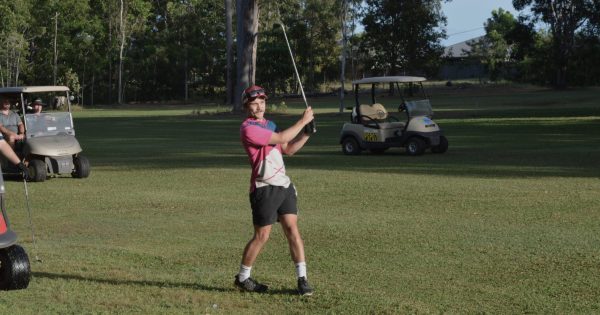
[[50, 147], [373, 128]]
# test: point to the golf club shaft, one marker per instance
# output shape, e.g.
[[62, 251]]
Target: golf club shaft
[[312, 123], [30, 219], [294, 64]]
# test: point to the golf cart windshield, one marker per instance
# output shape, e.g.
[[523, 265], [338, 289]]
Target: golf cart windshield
[[49, 124], [419, 108]]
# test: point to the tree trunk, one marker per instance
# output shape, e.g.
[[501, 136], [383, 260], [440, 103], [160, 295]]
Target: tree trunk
[[92, 96], [109, 52], [247, 28], [1, 75], [343, 57], [229, 36], [83, 82], [186, 79], [122, 29], [17, 65], [55, 50]]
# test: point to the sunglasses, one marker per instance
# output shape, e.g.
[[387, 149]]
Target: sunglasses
[[255, 93]]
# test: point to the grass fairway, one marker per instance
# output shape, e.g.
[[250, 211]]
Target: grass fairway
[[506, 221]]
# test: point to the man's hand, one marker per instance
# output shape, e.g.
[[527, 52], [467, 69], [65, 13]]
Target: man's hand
[[310, 128], [308, 115], [308, 119], [24, 170]]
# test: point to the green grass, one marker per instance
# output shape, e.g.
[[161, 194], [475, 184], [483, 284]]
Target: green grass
[[506, 221]]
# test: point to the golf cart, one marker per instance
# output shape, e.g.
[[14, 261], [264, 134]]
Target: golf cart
[[50, 147], [372, 128], [14, 263]]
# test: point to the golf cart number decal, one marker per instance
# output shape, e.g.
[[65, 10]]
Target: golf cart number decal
[[428, 122], [370, 136]]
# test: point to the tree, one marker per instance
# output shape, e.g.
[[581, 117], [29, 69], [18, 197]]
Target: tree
[[312, 28], [229, 37], [494, 48], [564, 17], [15, 34], [348, 13], [403, 36], [62, 29], [132, 16], [247, 40]]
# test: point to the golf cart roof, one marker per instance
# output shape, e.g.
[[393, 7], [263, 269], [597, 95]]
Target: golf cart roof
[[389, 79], [33, 89]]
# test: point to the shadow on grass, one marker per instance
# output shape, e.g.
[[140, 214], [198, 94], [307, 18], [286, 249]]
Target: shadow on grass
[[160, 284]]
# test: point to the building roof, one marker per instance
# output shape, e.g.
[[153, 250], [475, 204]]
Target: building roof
[[461, 49]]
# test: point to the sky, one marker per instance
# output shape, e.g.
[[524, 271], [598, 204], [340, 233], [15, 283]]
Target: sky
[[466, 17]]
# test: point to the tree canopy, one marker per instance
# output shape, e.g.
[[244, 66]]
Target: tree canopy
[[403, 36], [140, 50], [564, 18]]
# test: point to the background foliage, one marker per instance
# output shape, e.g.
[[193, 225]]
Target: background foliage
[[175, 48]]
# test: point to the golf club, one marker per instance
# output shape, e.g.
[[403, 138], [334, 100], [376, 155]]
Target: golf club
[[311, 125], [30, 220]]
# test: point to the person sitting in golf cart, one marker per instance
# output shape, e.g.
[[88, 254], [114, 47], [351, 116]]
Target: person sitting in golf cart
[[11, 126], [36, 123], [37, 106]]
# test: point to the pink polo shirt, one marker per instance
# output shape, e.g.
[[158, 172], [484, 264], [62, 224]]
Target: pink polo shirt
[[266, 159]]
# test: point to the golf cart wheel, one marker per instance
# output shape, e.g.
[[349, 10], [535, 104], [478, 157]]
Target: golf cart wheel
[[442, 147], [415, 146], [82, 167], [350, 146], [14, 268], [37, 170]]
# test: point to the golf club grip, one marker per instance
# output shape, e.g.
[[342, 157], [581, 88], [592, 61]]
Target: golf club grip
[[312, 127]]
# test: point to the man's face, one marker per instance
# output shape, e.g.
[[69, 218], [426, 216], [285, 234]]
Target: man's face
[[5, 104], [256, 108], [37, 108]]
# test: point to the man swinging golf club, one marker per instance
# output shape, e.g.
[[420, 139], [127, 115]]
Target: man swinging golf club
[[272, 195]]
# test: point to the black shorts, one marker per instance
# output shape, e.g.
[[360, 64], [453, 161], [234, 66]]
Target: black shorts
[[269, 202]]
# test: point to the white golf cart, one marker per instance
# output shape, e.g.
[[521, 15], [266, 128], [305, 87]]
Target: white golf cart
[[50, 147], [372, 128]]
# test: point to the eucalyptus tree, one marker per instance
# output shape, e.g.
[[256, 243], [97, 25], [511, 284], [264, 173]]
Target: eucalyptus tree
[[313, 31], [229, 12], [348, 12], [15, 33], [403, 36], [132, 16], [565, 18]]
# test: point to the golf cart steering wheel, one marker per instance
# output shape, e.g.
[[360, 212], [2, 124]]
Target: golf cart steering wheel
[[402, 107]]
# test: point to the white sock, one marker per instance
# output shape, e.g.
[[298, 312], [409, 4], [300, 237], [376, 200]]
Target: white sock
[[301, 269], [244, 273]]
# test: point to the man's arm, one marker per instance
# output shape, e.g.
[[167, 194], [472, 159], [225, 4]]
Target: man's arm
[[290, 133], [292, 147], [5, 130]]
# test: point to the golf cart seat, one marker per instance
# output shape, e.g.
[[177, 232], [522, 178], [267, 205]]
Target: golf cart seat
[[376, 116]]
